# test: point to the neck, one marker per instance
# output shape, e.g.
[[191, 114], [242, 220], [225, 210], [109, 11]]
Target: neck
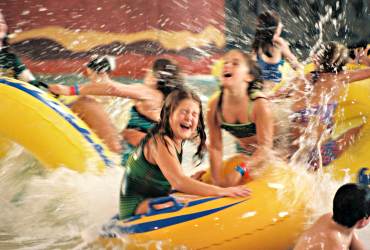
[[238, 92], [177, 142], [343, 229]]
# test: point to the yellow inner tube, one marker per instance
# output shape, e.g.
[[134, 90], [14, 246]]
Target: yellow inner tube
[[276, 213], [48, 129]]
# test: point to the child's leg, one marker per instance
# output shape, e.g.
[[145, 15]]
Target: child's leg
[[93, 113]]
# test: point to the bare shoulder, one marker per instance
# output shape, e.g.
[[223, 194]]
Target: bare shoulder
[[161, 146], [213, 100], [262, 105], [212, 104], [166, 143], [280, 42]]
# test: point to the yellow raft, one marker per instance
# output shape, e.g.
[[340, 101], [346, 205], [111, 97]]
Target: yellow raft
[[259, 222], [271, 219], [47, 129]]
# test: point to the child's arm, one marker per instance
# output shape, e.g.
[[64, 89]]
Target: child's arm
[[215, 147], [133, 136], [362, 57], [355, 75], [166, 158], [287, 54], [110, 88], [265, 132]]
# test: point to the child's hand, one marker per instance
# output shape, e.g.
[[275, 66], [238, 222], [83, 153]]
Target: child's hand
[[237, 191], [361, 56], [59, 89]]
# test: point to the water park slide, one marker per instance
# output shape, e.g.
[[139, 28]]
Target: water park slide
[[48, 129], [271, 219], [259, 222]]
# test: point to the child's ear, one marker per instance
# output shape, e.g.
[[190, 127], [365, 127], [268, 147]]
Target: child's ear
[[363, 223]]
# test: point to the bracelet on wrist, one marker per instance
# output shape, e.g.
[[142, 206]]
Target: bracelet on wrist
[[77, 89], [240, 170], [243, 170], [74, 89]]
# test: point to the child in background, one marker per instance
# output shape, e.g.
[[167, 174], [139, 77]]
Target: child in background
[[351, 211], [148, 97], [270, 49]]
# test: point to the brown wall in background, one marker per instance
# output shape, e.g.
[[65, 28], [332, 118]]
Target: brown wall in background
[[59, 36]]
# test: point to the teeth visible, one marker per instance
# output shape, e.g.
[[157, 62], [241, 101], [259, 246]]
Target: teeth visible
[[186, 126]]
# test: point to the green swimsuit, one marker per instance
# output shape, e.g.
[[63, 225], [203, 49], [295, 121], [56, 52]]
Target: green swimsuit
[[139, 122], [142, 180], [10, 65], [240, 130]]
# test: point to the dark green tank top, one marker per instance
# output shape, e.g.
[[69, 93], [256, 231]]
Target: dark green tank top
[[239, 130], [144, 178], [10, 65]]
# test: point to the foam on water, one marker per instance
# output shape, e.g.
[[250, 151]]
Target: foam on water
[[50, 209]]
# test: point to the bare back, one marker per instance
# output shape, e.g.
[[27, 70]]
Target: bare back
[[325, 234]]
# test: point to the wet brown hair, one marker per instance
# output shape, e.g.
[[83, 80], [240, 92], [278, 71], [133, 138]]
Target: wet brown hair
[[332, 57], [168, 76], [267, 23], [163, 128]]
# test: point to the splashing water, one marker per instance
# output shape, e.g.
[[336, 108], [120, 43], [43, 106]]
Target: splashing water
[[62, 209], [49, 209]]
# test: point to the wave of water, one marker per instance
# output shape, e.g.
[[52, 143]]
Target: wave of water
[[42, 209], [63, 209]]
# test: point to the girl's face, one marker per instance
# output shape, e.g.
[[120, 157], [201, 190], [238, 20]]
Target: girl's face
[[235, 69], [3, 27], [278, 30], [184, 119]]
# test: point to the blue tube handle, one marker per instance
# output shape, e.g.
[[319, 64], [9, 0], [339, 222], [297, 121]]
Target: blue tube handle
[[363, 178], [161, 200]]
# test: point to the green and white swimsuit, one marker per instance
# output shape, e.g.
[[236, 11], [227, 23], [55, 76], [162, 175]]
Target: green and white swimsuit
[[10, 65], [142, 180], [240, 130]]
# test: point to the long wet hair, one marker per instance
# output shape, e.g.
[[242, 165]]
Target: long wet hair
[[332, 57], [255, 87], [102, 64], [167, 74], [163, 127], [267, 23]]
